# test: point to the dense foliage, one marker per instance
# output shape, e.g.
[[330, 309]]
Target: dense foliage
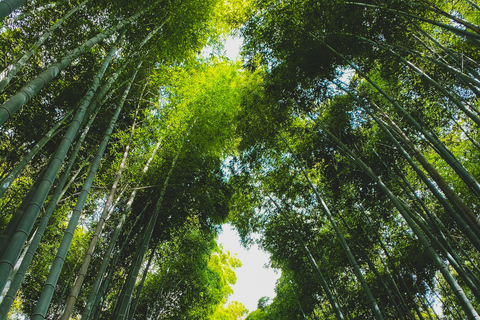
[[347, 138]]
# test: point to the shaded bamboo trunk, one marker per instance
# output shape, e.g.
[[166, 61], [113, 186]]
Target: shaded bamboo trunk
[[33, 87], [5, 183], [14, 272], [103, 268], [439, 263], [464, 210], [333, 301], [153, 314], [10, 256], [439, 147], [23, 15], [124, 303], [19, 276], [96, 235], [25, 263], [8, 6], [57, 195], [464, 61], [94, 293], [392, 265], [373, 304], [434, 83], [470, 36], [101, 291], [373, 268], [9, 74], [18, 215], [48, 289], [437, 231], [461, 213], [133, 307]]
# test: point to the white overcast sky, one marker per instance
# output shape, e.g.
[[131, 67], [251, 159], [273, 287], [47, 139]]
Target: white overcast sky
[[232, 48], [253, 279]]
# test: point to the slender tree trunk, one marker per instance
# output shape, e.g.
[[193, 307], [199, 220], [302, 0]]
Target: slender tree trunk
[[101, 291], [154, 313], [437, 230], [125, 302], [133, 307], [466, 212], [473, 4], [435, 224], [48, 289], [430, 308], [465, 77], [94, 292], [7, 7], [439, 147], [13, 104], [393, 267], [462, 213], [97, 304], [9, 74], [469, 137], [23, 15], [10, 256], [455, 261], [14, 272], [103, 268], [42, 226], [448, 303], [472, 37], [334, 303], [462, 60], [19, 276], [434, 83], [5, 183], [124, 298], [465, 303], [455, 18], [373, 304], [101, 222], [18, 215], [33, 87], [373, 268]]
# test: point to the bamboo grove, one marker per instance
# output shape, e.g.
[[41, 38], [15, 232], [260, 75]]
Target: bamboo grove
[[347, 137]]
